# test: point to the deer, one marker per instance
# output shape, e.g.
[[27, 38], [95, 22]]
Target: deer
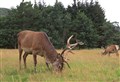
[[38, 43], [111, 49]]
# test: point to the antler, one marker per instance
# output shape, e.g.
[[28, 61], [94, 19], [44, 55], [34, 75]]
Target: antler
[[68, 42], [64, 51], [63, 57], [67, 63], [71, 46], [68, 46], [79, 42]]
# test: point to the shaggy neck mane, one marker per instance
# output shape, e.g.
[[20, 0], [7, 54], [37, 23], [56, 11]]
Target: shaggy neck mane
[[51, 53]]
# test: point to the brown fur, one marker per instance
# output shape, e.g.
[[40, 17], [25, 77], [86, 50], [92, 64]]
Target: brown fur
[[38, 43], [111, 49]]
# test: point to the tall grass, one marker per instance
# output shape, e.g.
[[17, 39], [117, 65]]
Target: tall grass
[[86, 66]]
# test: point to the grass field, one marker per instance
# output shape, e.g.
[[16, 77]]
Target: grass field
[[86, 66]]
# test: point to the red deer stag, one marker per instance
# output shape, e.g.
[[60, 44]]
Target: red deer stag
[[111, 49], [38, 43]]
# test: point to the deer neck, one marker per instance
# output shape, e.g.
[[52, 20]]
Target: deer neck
[[51, 55]]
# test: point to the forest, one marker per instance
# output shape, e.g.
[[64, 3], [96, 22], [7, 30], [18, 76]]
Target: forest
[[85, 20]]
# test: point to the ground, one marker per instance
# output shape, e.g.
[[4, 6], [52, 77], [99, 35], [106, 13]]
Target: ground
[[87, 65]]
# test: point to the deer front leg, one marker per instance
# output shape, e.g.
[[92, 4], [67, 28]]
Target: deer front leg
[[35, 61], [117, 54], [47, 64], [109, 54]]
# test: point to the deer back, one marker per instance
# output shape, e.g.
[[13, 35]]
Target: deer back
[[31, 41]]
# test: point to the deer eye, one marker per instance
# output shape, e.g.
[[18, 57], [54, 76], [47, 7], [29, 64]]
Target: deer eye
[[59, 66]]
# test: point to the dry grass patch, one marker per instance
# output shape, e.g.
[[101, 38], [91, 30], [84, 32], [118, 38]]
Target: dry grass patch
[[86, 66]]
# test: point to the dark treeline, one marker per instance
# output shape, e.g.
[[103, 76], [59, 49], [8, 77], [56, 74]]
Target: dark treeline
[[86, 20]]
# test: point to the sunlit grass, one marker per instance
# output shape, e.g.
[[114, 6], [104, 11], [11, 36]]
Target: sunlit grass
[[86, 66]]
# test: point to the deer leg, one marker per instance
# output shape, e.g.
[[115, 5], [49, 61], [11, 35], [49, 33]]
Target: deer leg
[[35, 61], [117, 54], [24, 58], [109, 54], [20, 54]]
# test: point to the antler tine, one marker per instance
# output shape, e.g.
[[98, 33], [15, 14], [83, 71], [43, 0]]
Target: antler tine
[[68, 46], [68, 41], [79, 42], [71, 46], [64, 51], [67, 64]]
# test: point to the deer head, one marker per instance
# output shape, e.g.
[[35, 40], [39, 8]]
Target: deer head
[[60, 60]]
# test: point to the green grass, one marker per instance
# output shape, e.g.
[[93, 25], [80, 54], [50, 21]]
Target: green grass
[[86, 66]]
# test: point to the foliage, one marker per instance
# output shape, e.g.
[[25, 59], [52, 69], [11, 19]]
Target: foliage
[[8, 38], [3, 12], [84, 29], [110, 34], [86, 20]]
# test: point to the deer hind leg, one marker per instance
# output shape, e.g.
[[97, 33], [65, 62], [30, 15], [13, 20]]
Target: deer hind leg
[[24, 58], [20, 54]]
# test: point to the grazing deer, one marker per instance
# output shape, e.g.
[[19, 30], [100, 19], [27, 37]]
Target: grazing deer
[[111, 49], [38, 43]]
